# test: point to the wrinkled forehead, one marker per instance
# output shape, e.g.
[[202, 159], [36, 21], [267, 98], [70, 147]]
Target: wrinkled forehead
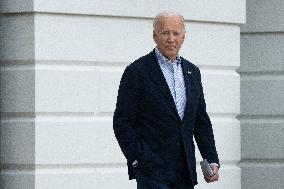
[[164, 22], [170, 17]]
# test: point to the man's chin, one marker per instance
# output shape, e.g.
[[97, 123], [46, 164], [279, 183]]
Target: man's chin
[[171, 56]]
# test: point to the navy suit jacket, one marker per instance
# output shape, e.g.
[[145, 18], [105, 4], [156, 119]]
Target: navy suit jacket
[[148, 127]]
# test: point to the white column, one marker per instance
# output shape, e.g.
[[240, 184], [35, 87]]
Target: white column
[[80, 50], [17, 89], [262, 91]]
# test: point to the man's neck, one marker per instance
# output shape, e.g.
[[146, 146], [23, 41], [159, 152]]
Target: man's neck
[[177, 57]]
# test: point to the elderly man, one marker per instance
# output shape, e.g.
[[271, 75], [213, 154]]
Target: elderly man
[[160, 108]]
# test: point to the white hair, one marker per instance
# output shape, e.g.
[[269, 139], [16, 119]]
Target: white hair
[[166, 14]]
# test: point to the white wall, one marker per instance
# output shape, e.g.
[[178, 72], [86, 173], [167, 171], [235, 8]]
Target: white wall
[[79, 51]]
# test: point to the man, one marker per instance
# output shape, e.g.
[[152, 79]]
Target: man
[[160, 107]]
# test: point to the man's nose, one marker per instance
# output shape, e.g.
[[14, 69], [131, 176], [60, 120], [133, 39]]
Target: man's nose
[[171, 37]]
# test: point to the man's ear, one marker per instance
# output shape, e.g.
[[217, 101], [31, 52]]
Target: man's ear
[[154, 34]]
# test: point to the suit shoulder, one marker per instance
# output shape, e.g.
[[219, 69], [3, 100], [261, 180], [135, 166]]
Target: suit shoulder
[[141, 62]]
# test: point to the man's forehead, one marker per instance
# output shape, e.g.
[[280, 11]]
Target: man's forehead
[[176, 18], [170, 22]]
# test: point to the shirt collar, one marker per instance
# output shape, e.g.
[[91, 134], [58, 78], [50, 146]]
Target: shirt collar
[[163, 59]]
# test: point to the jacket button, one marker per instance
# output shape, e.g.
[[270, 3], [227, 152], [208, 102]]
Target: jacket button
[[178, 144]]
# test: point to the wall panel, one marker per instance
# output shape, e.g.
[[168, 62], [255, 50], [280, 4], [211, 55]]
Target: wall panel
[[61, 64]]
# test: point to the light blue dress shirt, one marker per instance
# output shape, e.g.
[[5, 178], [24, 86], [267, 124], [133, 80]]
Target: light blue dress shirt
[[172, 72]]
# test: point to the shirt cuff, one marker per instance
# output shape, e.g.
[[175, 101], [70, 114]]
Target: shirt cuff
[[215, 164], [134, 163]]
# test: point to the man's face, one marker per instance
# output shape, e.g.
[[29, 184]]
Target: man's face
[[169, 36]]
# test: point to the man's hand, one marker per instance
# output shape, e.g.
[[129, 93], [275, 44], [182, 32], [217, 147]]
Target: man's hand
[[215, 176]]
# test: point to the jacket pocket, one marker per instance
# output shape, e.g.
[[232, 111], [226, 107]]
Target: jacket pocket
[[148, 156]]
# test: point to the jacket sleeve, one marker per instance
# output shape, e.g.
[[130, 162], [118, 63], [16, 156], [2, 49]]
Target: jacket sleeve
[[203, 131], [125, 114]]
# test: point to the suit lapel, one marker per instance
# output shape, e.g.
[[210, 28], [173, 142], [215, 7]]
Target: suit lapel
[[158, 77], [189, 85]]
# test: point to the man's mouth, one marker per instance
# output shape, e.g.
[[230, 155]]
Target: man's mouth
[[171, 47]]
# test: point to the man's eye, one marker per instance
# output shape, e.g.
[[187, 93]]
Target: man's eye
[[177, 33]]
